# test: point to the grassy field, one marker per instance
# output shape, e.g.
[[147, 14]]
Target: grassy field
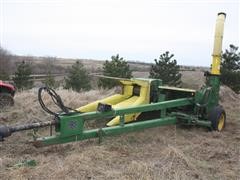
[[170, 152]]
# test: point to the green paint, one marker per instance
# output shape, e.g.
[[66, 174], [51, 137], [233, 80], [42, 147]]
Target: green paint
[[108, 131], [71, 127]]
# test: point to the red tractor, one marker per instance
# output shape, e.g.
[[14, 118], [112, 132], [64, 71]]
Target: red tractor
[[7, 92]]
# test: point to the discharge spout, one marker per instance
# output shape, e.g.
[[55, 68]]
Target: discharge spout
[[217, 49]]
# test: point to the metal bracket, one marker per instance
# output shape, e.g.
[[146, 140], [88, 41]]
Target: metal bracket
[[100, 135]]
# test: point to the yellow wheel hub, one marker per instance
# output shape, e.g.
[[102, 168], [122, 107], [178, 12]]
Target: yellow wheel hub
[[221, 122]]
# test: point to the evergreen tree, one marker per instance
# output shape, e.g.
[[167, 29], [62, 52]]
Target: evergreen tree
[[117, 67], [22, 77], [230, 68], [5, 64], [78, 78], [166, 69], [50, 81]]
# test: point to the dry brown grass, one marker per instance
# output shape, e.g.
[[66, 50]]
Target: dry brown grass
[[161, 153], [193, 79]]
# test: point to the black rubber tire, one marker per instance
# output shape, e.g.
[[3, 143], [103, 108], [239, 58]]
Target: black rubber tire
[[6, 100], [215, 116]]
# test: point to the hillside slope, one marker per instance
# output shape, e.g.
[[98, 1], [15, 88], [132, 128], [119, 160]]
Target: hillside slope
[[161, 153]]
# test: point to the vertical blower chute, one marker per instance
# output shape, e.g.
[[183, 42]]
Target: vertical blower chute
[[217, 48]]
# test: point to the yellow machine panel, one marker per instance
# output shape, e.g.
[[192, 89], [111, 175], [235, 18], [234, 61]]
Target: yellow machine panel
[[135, 92]]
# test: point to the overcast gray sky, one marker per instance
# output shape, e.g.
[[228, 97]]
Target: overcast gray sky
[[136, 29]]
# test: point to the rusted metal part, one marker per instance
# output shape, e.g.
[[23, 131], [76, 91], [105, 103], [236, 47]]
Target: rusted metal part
[[37, 143], [6, 131], [31, 126]]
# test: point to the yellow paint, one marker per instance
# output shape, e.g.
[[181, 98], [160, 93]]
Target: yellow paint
[[109, 100], [143, 98], [216, 56], [221, 122], [216, 62], [112, 100], [126, 99]]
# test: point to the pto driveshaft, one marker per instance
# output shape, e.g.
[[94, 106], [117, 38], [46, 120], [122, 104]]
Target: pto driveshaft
[[6, 131]]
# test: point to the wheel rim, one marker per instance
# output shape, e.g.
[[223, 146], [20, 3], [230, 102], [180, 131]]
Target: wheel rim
[[221, 122]]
